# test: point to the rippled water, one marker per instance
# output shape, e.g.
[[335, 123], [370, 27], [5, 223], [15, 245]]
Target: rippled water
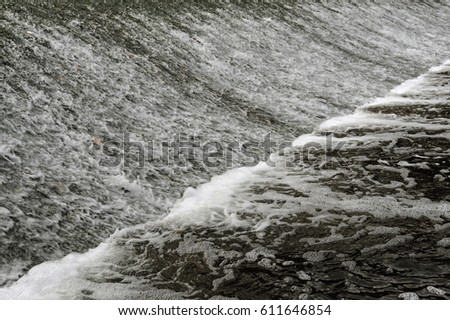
[[78, 76]]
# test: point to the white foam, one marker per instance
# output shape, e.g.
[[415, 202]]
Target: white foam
[[409, 296], [67, 278], [355, 120], [312, 141], [211, 200], [408, 86], [442, 68], [308, 138], [368, 120], [436, 291], [397, 101], [413, 85], [444, 242], [54, 279]]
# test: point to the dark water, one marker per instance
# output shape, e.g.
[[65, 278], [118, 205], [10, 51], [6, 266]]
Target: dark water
[[373, 224]]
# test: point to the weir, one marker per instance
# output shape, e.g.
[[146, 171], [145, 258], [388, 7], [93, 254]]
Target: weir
[[79, 76]]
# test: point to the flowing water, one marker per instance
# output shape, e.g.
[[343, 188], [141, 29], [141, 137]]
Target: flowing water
[[357, 209]]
